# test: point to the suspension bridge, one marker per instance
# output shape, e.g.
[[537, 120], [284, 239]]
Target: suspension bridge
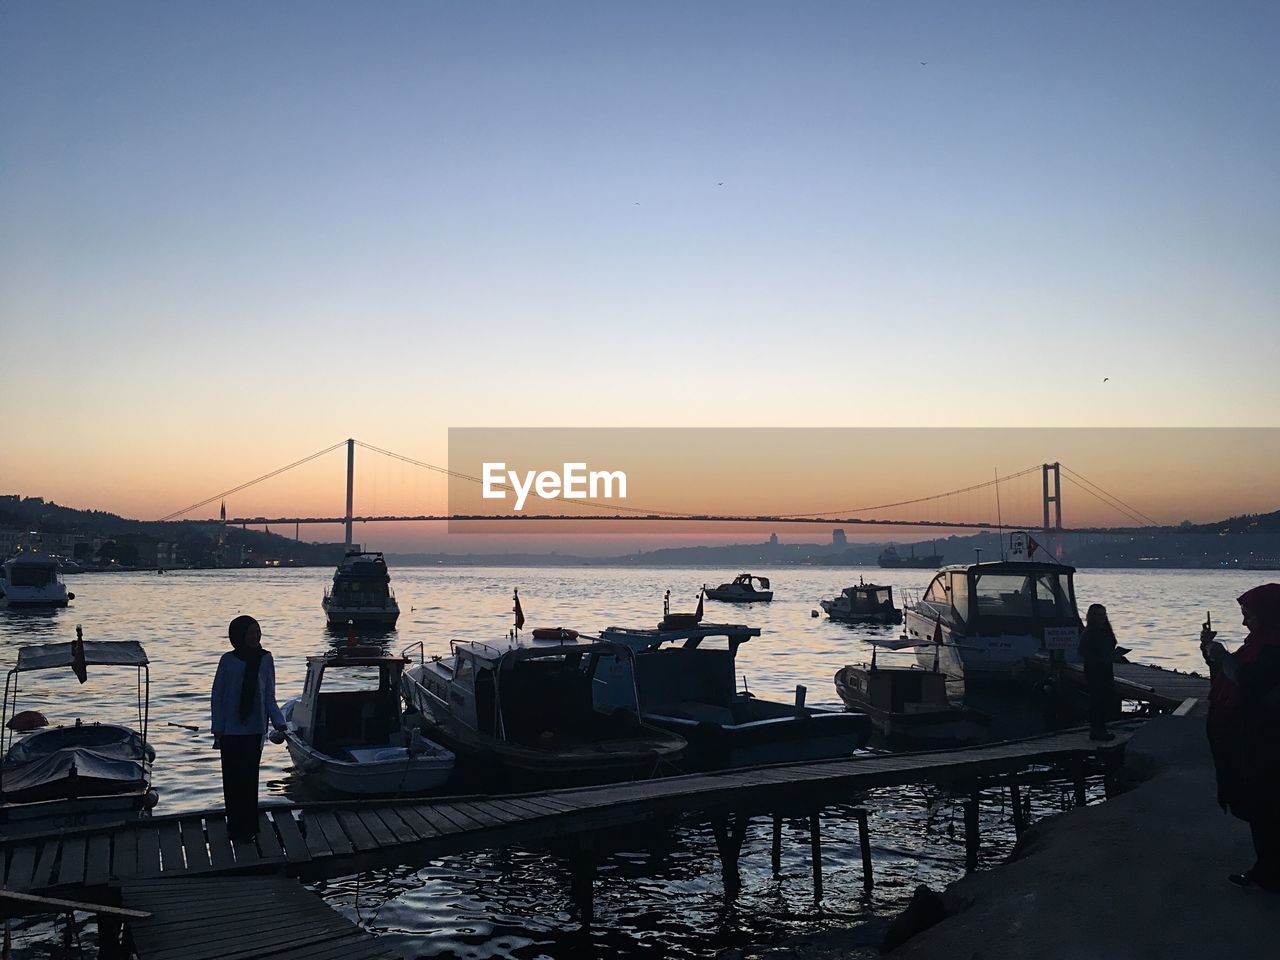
[[1050, 487]]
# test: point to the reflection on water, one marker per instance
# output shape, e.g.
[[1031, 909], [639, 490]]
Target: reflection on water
[[664, 902]]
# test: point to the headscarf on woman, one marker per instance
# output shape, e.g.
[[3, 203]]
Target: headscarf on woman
[[251, 657]]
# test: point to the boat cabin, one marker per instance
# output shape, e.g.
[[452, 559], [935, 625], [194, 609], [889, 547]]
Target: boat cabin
[[868, 598], [897, 689], [361, 580], [693, 665], [350, 700], [531, 691], [1002, 597]]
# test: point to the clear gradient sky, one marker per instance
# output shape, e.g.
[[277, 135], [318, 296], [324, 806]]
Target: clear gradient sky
[[233, 233]]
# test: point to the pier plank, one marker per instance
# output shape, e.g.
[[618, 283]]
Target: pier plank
[[22, 863], [41, 877], [295, 845], [338, 841], [220, 852], [353, 826], [148, 850], [171, 847], [268, 843], [382, 836], [420, 824], [97, 860], [193, 843], [124, 855], [317, 845], [398, 825]]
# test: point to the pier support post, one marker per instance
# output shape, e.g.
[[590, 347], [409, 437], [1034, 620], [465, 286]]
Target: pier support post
[[1081, 797], [971, 833], [582, 875], [730, 832], [864, 843], [815, 851], [1019, 814], [777, 845]]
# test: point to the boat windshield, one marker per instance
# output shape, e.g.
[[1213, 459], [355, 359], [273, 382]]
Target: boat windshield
[[1040, 596], [32, 574]]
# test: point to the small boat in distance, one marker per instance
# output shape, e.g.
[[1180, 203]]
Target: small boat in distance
[[361, 593], [742, 590], [31, 580], [686, 681], [353, 737], [863, 603], [909, 705], [891, 559], [77, 774], [525, 711]]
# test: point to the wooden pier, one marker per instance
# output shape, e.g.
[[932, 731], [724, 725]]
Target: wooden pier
[[1158, 689], [317, 840]]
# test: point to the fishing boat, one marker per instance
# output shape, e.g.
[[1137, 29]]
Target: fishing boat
[[863, 603], [891, 559], [524, 711], [31, 580], [993, 617], [348, 732], [81, 773], [743, 589], [361, 593], [685, 679], [909, 705]]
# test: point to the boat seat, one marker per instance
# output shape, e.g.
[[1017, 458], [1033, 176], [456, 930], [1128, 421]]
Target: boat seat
[[694, 710]]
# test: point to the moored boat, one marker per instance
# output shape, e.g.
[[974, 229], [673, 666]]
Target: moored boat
[[909, 705], [78, 774], [993, 617], [524, 712], [863, 603], [348, 732], [31, 580], [742, 589], [361, 593], [686, 681]]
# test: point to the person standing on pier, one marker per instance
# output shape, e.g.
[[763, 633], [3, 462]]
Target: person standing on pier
[[1098, 651], [243, 701], [1244, 729]]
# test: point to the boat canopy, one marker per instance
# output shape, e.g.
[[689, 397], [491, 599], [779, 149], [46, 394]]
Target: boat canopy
[[522, 649], [641, 639], [113, 653]]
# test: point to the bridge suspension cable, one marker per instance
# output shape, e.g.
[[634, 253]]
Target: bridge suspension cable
[[243, 486], [1120, 506], [905, 503]]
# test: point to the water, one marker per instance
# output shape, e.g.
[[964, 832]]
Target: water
[[664, 897]]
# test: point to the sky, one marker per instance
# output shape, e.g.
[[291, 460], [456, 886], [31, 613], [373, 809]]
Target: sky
[[232, 234]]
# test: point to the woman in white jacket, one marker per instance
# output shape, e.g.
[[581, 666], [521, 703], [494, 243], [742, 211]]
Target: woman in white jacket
[[243, 702]]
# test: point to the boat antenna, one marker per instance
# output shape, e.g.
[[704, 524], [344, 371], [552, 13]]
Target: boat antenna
[[999, 517]]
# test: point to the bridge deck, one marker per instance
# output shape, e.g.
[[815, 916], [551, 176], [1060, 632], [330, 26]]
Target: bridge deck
[[332, 839]]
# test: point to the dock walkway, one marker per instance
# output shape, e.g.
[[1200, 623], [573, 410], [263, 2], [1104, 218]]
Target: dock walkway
[[319, 840], [255, 918], [1161, 689]]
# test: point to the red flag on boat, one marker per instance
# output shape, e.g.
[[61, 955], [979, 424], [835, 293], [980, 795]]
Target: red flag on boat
[[79, 666], [1032, 547], [518, 610], [937, 632], [697, 617]]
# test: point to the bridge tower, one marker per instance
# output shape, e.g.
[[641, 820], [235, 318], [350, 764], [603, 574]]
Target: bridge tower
[[1056, 498], [351, 486]]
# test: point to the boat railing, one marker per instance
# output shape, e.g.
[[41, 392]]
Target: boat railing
[[422, 656]]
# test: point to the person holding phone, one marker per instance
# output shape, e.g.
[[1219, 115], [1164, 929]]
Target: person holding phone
[[1244, 728], [242, 703]]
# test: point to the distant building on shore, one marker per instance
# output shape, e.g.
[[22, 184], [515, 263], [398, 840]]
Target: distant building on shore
[[838, 539]]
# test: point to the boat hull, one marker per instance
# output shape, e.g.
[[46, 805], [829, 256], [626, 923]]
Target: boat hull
[[401, 774], [835, 612], [940, 727], [361, 616], [78, 813], [737, 596]]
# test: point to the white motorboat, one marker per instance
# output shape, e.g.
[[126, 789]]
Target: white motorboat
[[361, 593], [994, 617], [685, 678], [30, 580], [524, 711], [863, 603], [348, 732], [743, 589], [77, 774]]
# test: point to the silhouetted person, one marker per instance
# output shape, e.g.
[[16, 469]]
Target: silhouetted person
[[1098, 652], [244, 699], [1244, 729]]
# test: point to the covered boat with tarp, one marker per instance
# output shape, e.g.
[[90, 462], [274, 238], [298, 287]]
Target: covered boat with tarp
[[77, 774]]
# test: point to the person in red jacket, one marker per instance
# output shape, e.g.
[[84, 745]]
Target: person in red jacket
[[1244, 729]]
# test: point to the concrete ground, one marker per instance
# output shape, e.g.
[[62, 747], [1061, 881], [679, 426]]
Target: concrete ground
[[1140, 876]]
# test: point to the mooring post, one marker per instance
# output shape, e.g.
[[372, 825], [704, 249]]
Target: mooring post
[[1019, 814], [1081, 797], [864, 842], [815, 851], [971, 832], [777, 844], [729, 834]]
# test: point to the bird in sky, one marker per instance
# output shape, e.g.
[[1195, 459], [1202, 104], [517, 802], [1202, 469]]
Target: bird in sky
[[720, 184], [1105, 379], [923, 62]]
